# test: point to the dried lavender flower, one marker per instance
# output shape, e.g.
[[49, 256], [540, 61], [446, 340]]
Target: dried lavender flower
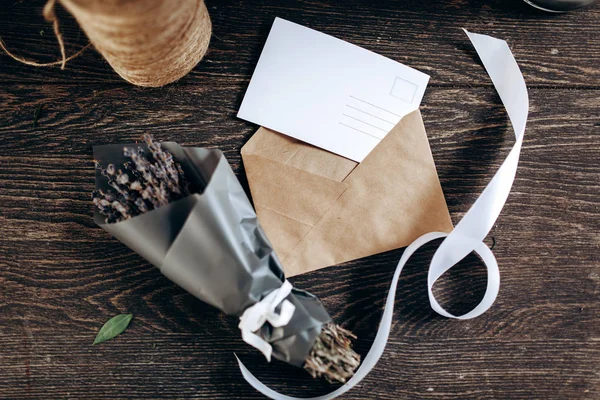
[[135, 185], [332, 356], [122, 179], [148, 181]]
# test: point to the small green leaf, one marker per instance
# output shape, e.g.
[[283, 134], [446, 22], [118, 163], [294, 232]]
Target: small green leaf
[[113, 327], [36, 115]]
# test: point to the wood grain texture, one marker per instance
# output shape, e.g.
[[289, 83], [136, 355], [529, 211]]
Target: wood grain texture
[[425, 35], [61, 277]]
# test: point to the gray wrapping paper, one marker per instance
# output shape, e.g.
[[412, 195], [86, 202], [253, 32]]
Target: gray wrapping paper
[[210, 244]]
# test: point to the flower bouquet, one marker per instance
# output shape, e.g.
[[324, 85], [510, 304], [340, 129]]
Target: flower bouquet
[[184, 211]]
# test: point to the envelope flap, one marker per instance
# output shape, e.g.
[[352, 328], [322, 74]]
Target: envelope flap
[[289, 201], [287, 190], [278, 147]]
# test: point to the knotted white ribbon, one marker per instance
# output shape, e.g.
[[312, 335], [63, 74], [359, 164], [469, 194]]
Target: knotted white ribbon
[[254, 317], [469, 233]]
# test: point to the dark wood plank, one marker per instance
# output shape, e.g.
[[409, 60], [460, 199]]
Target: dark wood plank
[[143, 365], [553, 50]]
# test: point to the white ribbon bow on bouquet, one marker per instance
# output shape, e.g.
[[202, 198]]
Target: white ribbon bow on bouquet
[[255, 316], [469, 233]]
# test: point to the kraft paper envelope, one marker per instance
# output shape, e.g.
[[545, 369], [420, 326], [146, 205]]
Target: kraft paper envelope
[[320, 209]]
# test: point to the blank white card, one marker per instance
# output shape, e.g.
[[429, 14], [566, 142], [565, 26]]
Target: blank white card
[[327, 92]]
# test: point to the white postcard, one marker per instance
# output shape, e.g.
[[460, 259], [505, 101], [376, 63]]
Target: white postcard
[[327, 92]]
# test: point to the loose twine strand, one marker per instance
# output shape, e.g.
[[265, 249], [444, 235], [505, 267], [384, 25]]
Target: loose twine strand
[[50, 16]]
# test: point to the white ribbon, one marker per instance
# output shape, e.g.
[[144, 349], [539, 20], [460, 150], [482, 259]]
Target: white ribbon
[[470, 232], [254, 317]]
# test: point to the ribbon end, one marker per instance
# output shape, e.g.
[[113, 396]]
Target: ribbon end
[[268, 352]]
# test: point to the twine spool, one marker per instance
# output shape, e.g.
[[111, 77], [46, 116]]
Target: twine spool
[[147, 42]]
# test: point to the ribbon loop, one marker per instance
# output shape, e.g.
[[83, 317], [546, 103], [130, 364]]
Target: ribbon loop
[[492, 289], [255, 316]]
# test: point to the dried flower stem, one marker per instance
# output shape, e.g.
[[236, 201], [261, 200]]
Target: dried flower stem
[[332, 356]]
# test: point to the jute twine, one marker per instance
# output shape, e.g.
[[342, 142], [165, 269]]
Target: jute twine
[[147, 42]]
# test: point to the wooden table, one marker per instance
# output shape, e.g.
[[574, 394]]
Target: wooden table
[[62, 277]]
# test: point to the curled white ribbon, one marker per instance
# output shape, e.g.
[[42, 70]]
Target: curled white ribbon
[[255, 316], [469, 233]]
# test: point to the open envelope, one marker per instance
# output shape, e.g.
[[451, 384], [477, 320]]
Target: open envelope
[[320, 209]]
